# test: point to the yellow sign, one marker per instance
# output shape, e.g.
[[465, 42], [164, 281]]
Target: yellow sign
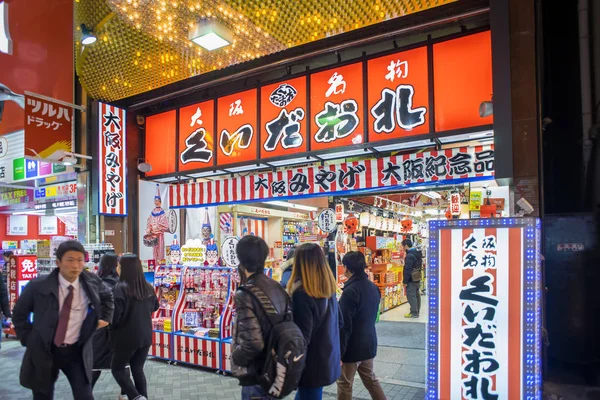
[[475, 201]]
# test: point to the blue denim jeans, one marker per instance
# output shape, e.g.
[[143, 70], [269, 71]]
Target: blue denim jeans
[[305, 393], [254, 393]]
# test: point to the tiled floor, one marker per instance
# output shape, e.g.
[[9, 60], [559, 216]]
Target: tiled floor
[[397, 314], [169, 382]]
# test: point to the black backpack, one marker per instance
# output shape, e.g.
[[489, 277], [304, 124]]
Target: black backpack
[[285, 350]]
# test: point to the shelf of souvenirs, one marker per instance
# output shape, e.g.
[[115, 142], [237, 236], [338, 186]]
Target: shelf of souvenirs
[[167, 284]]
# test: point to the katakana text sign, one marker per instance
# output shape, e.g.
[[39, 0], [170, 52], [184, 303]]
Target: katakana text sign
[[283, 118], [237, 132], [398, 95], [48, 127], [396, 171], [196, 136], [336, 107], [112, 190], [485, 310]]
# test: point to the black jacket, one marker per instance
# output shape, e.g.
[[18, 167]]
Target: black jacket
[[4, 304], [412, 261], [359, 305], [252, 327], [40, 297], [320, 322], [132, 323], [101, 344]]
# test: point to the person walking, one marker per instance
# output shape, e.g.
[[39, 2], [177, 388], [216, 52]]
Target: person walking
[[412, 278], [131, 329], [287, 267], [102, 347], [252, 326], [68, 305], [312, 287], [359, 306], [4, 306]]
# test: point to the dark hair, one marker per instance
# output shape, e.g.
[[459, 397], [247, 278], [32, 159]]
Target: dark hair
[[291, 253], [407, 242], [355, 262], [69, 245], [132, 278], [252, 252], [8, 254], [108, 265]]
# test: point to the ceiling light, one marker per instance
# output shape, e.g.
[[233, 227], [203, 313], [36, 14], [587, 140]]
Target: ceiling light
[[210, 34], [292, 205], [69, 160], [432, 195], [87, 36]]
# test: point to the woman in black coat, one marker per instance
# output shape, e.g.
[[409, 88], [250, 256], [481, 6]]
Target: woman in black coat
[[131, 329], [312, 287]]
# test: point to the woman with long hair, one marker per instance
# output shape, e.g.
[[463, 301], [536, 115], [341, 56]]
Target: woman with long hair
[[312, 288], [131, 329]]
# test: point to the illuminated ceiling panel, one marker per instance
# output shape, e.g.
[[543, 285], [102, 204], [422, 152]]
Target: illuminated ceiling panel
[[143, 44]]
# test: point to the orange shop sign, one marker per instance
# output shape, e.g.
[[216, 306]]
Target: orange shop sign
[[48, 127], [237, 127], [196, 136]]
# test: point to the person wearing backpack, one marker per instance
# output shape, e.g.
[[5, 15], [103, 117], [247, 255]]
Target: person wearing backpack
[[315, 306], [412, 277], [259, 301]]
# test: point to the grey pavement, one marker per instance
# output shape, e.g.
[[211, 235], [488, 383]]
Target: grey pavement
[[171, 382]]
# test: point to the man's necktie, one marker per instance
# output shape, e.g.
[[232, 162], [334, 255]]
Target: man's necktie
[[63, 319]]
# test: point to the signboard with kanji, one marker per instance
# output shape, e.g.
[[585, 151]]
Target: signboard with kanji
[[484, 309], [336, 107], [283, 118], [398, 95], [112, 163], [327, 220], [197, 136], [48, 127], [237, 132], [228, 251]]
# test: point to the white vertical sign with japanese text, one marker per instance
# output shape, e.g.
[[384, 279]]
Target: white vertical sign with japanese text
[[112, 180], [17, 225]]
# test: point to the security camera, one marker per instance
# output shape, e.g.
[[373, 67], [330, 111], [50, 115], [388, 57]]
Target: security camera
[[525, 206], [141, 120]]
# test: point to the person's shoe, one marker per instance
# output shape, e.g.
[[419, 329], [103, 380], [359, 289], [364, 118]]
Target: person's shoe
[[414, 316], [409, 315], [140, 397], [122, 397]]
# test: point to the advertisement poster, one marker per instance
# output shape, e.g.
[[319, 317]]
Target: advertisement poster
[[158, 224]]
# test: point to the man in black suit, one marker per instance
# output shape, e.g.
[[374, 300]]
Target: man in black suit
[[67, 306]]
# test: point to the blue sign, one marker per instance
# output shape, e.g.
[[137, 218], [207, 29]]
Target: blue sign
[[31, 168], [40, 193]]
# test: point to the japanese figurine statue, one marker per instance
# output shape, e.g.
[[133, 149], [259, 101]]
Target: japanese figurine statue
[[212, 254], [175, 255], [206, 229]]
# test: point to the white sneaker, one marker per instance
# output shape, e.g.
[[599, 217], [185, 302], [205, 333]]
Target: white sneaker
[[122, 397], [140, 397]]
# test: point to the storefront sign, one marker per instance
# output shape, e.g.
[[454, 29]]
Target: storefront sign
[[267, 212], [398, 93], [228, 251], [570, 247], [237, 131], [26, 169], [455, 204], [283, 118], [326, 220], [339, 212], [48, 127], [62, 190], [196, 136], [22, 269], [56, 205], [396, 171], [161, 138], [48, 225], [475, 200], [15, 197], [16, 225], [12, 146], [112, 165], [484, 309], [193, 253]]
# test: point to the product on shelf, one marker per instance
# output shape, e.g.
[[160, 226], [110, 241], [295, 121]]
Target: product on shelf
[[167, 283]]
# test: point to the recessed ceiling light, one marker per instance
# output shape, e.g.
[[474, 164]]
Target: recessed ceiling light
[[210, 34]]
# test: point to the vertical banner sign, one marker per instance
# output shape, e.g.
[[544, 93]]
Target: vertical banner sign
[[283, 118], [336, 107], [237, 127], [197, 136], [455, 204], [484, 309], [112, 190], [398, 94], [48, 127]]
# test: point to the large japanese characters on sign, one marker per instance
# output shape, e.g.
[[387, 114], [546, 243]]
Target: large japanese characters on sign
[[283, 118], [112, 190], [396, 171], [398, 95], [48, 127], [484, 307], [196, 136], [336, 107], [237, 132]]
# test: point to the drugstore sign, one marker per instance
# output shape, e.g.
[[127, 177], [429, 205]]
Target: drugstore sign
[[65, 189], [374, 100]]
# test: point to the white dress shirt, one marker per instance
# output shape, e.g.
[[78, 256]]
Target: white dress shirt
[[79, 307]]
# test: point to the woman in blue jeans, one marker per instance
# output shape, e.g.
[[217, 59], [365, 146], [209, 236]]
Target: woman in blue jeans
[[312, 288]]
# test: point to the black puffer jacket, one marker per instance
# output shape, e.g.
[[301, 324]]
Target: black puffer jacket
[[101, 344], [252, 327], [412, 262]]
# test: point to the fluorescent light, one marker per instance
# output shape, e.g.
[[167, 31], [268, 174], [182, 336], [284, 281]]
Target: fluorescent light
[[292, 205], [466, 137], [292, 161], [35, 212], [432, 195], [164, 180], [210, 34], [344, 154], [207, 174], [247, 168], [405, 145]]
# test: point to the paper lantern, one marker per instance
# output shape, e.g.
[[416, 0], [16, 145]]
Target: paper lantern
[[365, 219], [379, 224]]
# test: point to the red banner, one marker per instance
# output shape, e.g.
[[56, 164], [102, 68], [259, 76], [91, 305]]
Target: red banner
[[48, 128], [112, 161], [196, 136], [237, 127]]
